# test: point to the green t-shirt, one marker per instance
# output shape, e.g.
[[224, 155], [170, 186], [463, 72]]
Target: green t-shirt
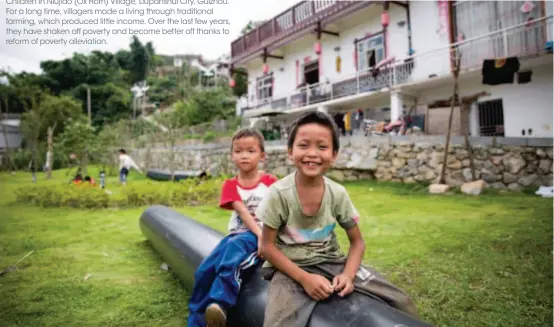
[[307, 240]]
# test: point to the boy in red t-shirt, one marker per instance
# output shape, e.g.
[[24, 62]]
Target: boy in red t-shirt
[[217, 279]]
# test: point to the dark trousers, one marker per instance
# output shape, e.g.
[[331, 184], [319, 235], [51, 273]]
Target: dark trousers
[[289, 305]]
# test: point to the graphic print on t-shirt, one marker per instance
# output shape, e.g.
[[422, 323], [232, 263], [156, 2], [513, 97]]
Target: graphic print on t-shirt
[[251, 197], [293, 235]]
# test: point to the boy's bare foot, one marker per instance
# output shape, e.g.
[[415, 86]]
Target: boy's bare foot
[[215, 316]]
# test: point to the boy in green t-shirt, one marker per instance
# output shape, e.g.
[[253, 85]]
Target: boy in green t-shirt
[[300, 212]]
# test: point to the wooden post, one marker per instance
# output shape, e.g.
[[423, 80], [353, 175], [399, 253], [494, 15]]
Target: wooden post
[[454, 96], [464, 110], [466, 102]]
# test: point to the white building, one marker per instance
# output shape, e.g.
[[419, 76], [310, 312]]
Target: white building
[[340, 56], [13, 136]]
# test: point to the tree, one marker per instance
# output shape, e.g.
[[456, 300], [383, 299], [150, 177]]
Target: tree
[[54, 112], [29, 96], [163, 89], [251, 25], [169, 137], [48, 115], [22, 89], [31, 124], [78, 138], [240, 75], [207, 105], [140, 60]]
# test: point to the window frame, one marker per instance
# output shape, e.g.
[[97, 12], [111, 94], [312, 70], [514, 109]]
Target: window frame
[[364, 46], [264, 87]]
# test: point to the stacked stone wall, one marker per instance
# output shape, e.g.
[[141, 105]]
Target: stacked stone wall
[[501, 163]]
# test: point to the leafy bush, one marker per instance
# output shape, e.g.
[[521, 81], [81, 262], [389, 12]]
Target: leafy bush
[[86, 196], [68, 195], [209, 136], [22, 157]]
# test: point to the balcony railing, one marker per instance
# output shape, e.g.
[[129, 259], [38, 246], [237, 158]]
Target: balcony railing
[[524, 41], [292, 20]]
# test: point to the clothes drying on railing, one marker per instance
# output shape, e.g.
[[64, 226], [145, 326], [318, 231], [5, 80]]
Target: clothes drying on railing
[[500, 71]]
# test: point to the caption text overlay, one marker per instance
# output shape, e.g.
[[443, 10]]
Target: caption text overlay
[[68, 22]]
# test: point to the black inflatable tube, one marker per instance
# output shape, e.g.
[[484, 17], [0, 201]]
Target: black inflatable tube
[[183, 243], [165, 175]]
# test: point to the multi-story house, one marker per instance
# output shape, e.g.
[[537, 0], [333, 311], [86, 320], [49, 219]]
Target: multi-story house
[[388, 57], [10, 132]]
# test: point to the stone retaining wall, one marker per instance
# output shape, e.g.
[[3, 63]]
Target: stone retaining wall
[[501, 163]]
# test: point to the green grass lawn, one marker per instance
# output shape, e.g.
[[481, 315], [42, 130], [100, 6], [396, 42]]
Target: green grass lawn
[[467, 261]]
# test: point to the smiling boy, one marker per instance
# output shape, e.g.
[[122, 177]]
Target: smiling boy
[[218, 279], [300, 213]]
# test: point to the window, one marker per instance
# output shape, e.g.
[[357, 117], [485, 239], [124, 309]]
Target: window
[[265, 87], [311, 73], [482, 18], [491, 118], [371, 51]]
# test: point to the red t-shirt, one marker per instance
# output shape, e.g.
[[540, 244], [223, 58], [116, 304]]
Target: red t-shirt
[[250, 196]]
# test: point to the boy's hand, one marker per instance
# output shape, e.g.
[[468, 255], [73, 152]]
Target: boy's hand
[[260, 254], [317, 287], [344, 284]]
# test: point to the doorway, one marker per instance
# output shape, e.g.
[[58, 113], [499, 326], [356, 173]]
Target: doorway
[[311, 73]]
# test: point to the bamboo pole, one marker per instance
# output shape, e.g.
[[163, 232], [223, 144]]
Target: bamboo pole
[[455, 72]]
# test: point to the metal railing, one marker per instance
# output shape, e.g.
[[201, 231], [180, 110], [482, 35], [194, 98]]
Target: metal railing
[[524, 41], [292, 19]]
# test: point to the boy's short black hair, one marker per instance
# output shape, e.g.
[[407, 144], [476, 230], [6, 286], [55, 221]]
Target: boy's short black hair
[[314, 117], [122, 151], [249, 132]]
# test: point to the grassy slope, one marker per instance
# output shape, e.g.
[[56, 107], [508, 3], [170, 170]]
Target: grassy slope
[[468, 261]]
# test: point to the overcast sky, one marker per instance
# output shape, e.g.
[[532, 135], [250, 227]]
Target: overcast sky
[[239, 12]]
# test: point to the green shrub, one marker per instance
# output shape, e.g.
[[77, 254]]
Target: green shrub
[[85, 196], [209, 136]]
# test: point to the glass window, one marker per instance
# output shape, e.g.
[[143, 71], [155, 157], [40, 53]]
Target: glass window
[[371, 51]]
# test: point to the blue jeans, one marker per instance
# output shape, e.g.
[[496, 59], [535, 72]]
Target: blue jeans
[[218, 278], [123, 175]]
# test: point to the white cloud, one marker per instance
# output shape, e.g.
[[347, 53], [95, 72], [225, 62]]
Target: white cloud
[[28, 57]]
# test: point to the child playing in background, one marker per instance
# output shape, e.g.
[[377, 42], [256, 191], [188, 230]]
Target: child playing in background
[[300, 212], [216, 286], [126, 163]]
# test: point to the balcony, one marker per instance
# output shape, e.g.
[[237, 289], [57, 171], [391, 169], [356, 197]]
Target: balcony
[[526, 41], [294, 20]]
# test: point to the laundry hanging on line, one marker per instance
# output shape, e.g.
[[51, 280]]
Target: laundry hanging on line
[[499, 71]]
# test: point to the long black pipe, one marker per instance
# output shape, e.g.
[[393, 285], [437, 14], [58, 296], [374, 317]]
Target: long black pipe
[[183, 243]]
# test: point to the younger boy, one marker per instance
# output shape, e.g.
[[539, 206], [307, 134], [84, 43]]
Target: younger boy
[[300, 212], [217, 280], [126, 163]]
